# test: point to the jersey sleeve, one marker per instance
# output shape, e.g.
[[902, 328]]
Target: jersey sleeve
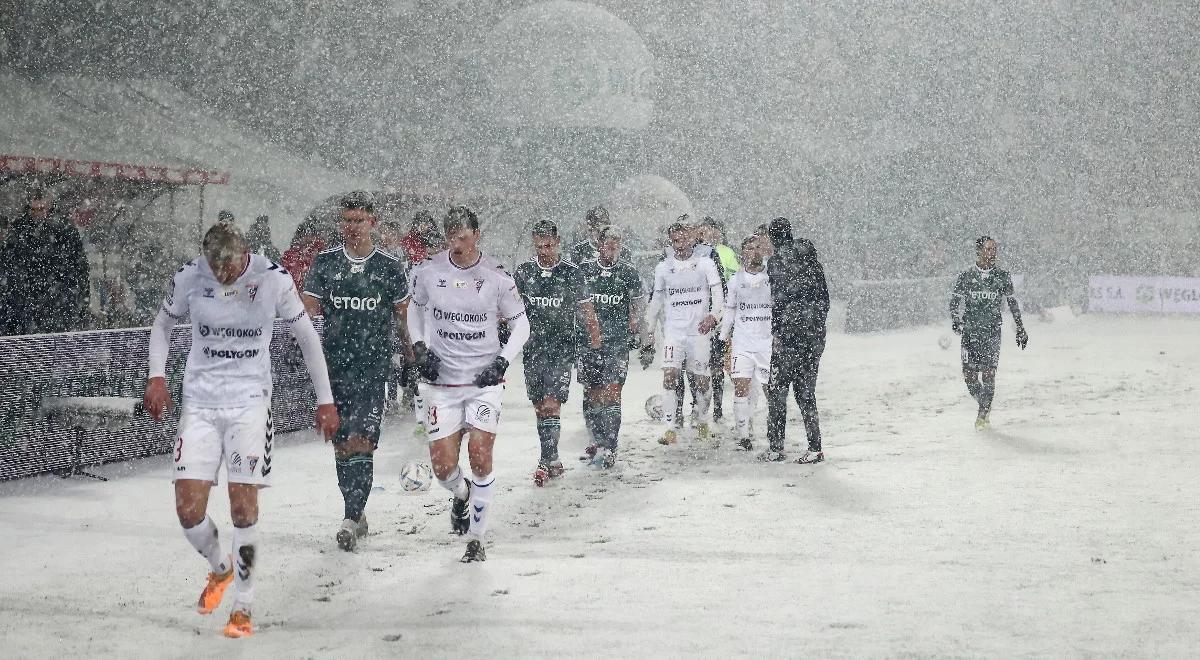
[[518, 278], [660, 282], [508, 299], [582, 291], [960, 288], [399, 284], [176, 303], [315, 283], [712, 274], [634, 284], [287, 306], [1009, 292]]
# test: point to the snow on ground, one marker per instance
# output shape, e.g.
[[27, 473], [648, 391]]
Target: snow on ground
[[1069, 530]]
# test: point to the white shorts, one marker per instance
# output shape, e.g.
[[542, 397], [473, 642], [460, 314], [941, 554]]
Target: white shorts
[[690, 352], [241, 437], [755, 365], [449, 410]]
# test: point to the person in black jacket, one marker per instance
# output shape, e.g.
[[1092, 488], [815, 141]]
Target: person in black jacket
[[47, 287], [799, 310]]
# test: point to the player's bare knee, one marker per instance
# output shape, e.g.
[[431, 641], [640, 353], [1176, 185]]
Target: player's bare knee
[[741, 387], [243, 504], [358, 444], [670, 377]]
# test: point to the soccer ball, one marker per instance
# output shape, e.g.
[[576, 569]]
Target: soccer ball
[[944, 342], [415, 477], [654, 407]]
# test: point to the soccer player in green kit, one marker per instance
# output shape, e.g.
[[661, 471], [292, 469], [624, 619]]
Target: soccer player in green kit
[[982, 292], [361, 291], [619, 298], [554, 292]]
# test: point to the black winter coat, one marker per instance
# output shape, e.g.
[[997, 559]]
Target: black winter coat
[[799, 294], [46, 277]]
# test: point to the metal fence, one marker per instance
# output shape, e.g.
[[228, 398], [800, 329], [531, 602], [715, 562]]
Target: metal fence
[[112, 363]]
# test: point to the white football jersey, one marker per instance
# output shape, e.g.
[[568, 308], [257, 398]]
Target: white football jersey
[[462, 308], [685, 287], [749, 303], [229, 364]]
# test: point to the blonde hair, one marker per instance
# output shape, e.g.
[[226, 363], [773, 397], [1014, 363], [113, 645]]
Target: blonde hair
[[223, 242]]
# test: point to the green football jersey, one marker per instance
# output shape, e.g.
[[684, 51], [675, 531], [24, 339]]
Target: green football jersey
[[358, 296], [552, 297], [614, 290], [983, 293]]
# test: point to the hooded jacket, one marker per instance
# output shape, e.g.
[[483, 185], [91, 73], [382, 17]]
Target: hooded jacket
[[799, 294]]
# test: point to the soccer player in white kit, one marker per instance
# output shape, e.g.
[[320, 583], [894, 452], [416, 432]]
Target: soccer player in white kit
[[687, 289], [748, 319], [233, 298], [458, 298]]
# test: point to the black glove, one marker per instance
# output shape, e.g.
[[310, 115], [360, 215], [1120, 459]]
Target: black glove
[[1022, 338], [427, 361], [493, 374], [646, 356], [957, 326]]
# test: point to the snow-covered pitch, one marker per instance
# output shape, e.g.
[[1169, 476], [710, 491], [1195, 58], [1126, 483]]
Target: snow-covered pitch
[[1068, 530]]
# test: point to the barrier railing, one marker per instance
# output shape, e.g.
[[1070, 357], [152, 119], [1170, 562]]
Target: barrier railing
[[35, 369]]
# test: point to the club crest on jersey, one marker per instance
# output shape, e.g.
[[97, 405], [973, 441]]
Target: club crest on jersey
[[478, 286], [251, 291], [252, 461]]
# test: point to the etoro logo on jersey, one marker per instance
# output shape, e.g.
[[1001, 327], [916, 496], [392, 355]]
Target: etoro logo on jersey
[[608, 298], [545, 301], [355, 303]]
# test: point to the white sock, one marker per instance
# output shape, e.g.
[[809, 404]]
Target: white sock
[[703, 401], [482, 493], [245, 553], [668, 408], [204, 539], [741, 416], [456, 484]]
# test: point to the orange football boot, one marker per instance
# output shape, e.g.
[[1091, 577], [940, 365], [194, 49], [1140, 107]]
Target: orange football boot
[[239, 624], [213, 591]]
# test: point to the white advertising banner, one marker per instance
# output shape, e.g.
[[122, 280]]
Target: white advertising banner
[[1154, 295]]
